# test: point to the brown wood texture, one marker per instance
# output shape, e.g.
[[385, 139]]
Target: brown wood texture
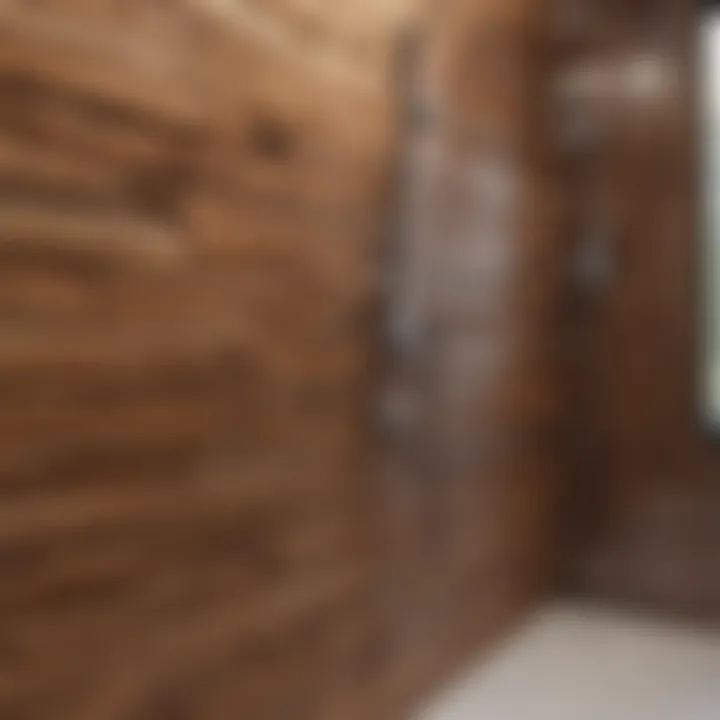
[[189, 206], [193, 523], [470, 402], [649, 472]]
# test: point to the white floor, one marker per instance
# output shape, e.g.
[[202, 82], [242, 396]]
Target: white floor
[[572, 664]]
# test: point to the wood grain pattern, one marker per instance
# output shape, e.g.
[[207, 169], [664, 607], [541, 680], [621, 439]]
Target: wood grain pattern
[[650, 471], [470, 398], [188, 222], [192, 525]]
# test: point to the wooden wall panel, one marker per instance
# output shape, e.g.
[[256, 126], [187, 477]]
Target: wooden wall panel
[[189, 204], [470, 402], [190, 201], [649, 473]]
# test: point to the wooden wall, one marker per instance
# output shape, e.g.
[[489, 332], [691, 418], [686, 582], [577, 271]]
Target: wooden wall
[[189, 199], [649, 471], [470, 401], [195, 521]]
